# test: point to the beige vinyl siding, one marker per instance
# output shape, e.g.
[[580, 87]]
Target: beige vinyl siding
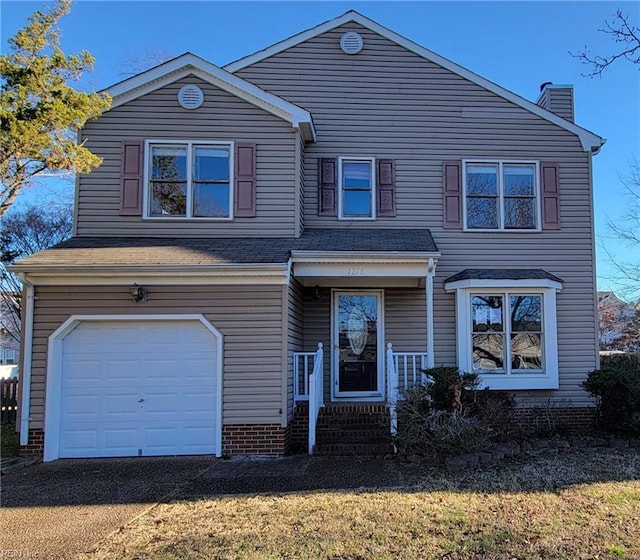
[[249, 318], [295, 339], [388, 102], [405, 319], [317, 328], [222, 117], [558, 100]]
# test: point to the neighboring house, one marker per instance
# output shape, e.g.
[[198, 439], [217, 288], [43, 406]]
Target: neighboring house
[[619, 323], [345, 186]]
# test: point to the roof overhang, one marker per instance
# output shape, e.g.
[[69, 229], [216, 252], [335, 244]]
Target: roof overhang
[[358, 268], [189, 64], [174, 274], [479, 284], [590, 142]]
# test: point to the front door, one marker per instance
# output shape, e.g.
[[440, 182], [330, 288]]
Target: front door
[[357, 345]]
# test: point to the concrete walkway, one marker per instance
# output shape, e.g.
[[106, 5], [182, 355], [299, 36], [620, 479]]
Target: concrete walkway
[[60, 509]]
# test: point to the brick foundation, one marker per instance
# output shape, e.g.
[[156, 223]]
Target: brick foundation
[[547, 419], [255, 439], [35, 444], [300, 429]]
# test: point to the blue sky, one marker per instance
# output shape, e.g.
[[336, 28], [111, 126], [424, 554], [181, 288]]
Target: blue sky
[[518, 45]]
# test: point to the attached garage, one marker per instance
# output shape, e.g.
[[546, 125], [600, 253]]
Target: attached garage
[[131, 386]]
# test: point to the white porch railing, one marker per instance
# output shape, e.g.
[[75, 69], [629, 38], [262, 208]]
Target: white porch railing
[[316, 399], [404, 369], [303, 363]]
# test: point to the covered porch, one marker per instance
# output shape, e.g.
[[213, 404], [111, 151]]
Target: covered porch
[[362, 315]]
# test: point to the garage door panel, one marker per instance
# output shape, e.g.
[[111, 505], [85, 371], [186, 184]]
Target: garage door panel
[[79, 442], [154, 397], [81, 370], [117, 407], [81, 405], [121, 440], [198, 402]]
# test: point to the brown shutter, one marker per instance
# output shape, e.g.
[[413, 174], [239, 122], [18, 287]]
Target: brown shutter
[[550, 196], [131, 178], [327, 187], [386, 184], [452, 195], [245, 181]]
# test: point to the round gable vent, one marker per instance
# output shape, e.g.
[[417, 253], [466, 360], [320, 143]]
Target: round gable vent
[[190, 96], [351, 42]]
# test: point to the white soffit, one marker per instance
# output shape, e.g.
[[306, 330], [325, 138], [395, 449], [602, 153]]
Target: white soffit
[[590, 142], [189, 64]]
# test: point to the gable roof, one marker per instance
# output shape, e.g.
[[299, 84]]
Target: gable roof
[[590, 141], [189, 64]]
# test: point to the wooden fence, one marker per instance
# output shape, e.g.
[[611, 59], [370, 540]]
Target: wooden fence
[[9, 397]]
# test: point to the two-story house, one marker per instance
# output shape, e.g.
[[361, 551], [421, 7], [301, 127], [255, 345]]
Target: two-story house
[[346, 187]]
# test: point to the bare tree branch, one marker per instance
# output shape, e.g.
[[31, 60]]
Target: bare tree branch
[[623, 33], [22, 233]]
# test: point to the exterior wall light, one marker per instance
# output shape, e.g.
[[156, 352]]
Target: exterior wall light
[[138, 293]]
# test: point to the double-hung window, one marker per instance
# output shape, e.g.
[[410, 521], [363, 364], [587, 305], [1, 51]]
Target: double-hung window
[[357, 188], [190, 180], [501, 195]]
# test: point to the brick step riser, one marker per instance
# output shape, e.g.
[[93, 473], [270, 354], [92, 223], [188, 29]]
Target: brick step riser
[[336, 427], [354, 419], [353, 449], [346, 439]]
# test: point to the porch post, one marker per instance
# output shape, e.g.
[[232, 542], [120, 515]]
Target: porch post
[[429, 302]]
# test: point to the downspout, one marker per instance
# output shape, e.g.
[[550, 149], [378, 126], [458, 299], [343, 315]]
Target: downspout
[[25, 374], [431, 271]]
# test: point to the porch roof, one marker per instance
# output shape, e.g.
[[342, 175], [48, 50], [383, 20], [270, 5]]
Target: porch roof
[[140, 252]]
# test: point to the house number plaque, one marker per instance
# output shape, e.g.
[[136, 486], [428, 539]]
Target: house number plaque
[[355, 271]]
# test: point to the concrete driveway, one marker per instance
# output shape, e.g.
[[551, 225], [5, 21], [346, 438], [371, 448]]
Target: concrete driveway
[[60, 509]]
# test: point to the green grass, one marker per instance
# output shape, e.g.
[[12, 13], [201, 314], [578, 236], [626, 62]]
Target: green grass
[[574, 506], [9, 442]]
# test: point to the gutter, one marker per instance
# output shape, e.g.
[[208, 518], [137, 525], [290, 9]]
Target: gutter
[[25, 374]]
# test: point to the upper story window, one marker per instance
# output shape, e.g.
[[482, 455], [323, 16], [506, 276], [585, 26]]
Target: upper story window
[[190, 179], [357, 188], [501, 195]]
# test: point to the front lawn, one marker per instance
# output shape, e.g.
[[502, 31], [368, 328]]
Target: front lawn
[[580, 505]]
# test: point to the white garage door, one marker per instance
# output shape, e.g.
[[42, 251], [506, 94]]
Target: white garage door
[[134, 388]]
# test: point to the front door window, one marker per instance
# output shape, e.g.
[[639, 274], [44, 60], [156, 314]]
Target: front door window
[[357, 351]]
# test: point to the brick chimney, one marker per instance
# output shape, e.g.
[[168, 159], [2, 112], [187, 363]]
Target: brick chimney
[[557, 99]]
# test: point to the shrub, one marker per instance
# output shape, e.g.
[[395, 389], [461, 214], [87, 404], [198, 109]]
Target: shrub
[[494, 409], [450, 415], [450, 389], [616, 387]]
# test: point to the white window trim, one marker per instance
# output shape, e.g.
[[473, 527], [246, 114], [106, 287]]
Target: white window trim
[[372, 161], [548, 379], [146, 176], [500, 163]]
